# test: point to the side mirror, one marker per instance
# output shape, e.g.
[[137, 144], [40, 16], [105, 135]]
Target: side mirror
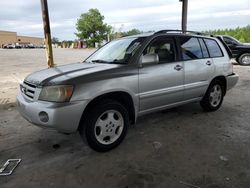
[[150, 59]]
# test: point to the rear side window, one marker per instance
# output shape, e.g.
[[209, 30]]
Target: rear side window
[[213, 48], [203, 48], [227, 40], [190, 48]]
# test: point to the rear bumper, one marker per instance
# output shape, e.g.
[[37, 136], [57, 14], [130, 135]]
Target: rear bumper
[[232, 80], [63, 117]]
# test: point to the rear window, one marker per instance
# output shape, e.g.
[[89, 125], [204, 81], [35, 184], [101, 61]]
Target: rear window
[[213, 48], [190, 48]]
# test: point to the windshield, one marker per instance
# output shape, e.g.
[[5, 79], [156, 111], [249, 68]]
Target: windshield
[[117, 51], [231, 40]]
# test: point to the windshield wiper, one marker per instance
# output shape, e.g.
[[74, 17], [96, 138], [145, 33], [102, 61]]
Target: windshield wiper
[[115, 61], [119, 61], [99, 61]]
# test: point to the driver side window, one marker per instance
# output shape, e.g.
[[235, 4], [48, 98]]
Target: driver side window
[[164, 48]]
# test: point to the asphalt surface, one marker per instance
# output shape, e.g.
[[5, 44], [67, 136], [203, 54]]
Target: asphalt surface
[[178, 148]]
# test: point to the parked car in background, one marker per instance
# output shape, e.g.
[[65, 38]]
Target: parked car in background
[[18, 46], [127, 78], [9, 46], [30, 46], [39, 46], [25, 46], [240, 51]]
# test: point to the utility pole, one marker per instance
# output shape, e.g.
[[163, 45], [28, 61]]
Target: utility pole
[[184, 15], [47, 35]]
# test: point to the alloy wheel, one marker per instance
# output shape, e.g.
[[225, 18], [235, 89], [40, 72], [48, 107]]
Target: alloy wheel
[[215, 96], [109, 126]]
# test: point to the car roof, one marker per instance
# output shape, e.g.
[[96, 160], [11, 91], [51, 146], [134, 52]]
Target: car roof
[[171, 33], [140, 35]]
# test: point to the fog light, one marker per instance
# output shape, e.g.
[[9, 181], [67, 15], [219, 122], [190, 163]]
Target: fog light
[[44, 117]]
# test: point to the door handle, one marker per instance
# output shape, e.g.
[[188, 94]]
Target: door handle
[[209, 63], [178, 67]]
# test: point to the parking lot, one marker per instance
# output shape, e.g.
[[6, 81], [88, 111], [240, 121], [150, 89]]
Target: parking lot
[[178, 148]]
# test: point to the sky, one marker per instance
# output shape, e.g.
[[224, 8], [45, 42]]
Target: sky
[[24, 16]]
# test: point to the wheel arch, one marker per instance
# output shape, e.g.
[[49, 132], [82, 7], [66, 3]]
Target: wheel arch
[[223, 80], [240, 54], [120, 96]]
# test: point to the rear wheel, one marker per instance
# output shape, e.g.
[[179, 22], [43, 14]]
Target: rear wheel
[[244, 59], [213, 97], [105, 125]]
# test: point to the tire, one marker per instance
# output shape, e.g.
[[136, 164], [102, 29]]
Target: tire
[[213, 98], [244, 59], [105, 125]]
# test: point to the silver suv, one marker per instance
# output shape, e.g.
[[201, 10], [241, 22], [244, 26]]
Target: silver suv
[[127, 78]]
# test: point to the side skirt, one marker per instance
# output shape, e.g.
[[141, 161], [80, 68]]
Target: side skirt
[[168, 106]]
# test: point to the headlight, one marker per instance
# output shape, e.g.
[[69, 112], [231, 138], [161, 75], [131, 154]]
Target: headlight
[[60, 93]]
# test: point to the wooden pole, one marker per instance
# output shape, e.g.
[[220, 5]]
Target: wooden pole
[[47, 35], [184, 15]]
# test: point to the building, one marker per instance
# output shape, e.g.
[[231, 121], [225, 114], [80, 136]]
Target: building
[[8, 37]]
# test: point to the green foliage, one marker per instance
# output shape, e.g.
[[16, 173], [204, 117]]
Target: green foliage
[[55, 40], [132, 32], [115, 35], [240, 33], [91, 28], [66, 43]]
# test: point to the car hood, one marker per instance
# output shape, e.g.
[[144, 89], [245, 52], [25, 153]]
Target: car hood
[[66, 72], [244, 45]]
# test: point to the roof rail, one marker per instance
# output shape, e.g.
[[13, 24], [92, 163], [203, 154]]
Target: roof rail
[[180, 31]]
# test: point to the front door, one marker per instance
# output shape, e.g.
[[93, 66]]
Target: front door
[[161, 82]]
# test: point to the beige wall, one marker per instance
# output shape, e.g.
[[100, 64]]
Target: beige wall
[[7, 37], [30, 40]]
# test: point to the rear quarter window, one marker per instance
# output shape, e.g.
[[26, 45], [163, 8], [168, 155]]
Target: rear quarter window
[[203, 48], [213, 48]]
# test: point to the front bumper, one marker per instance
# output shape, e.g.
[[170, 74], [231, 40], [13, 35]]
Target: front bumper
[[64, 117], [232, 80]]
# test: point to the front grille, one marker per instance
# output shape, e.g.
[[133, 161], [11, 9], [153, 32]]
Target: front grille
[[28, 89]]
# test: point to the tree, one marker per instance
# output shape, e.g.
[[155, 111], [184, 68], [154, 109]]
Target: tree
[[115, 35], [91, 28], [132, 32], [55, 40], [240, 33]]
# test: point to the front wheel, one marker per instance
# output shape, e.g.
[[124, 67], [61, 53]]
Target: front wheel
[[105, 125], [244, 59], [213, 97]]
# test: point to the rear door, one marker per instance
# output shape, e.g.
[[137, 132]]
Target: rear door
[[198, 66], [220, 59]]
